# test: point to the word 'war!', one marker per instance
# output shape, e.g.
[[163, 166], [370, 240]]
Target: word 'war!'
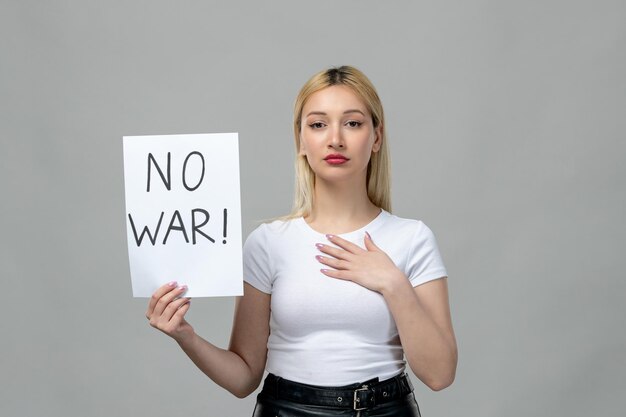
[[199, 219]]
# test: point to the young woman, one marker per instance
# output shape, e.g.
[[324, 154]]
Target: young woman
[[339, 291]]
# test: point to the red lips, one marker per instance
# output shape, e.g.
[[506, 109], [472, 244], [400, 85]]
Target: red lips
[[335, 156], [336, 159]]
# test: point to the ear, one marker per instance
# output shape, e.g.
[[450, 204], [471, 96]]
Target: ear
[[302, 150], [378, 141]]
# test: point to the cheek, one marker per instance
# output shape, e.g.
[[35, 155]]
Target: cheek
[[309, 142], [369, 143]]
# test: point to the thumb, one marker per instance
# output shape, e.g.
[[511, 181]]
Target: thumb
[[369, 243]]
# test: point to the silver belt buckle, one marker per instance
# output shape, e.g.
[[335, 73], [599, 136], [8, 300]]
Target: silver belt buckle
[[356, 400]]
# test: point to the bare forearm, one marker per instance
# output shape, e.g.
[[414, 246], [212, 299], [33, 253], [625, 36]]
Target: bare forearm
[[430, 351], [238, 369], [224, 367]]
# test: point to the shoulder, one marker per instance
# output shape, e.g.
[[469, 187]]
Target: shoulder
[[411, 228], [268, 230], [422, 260]]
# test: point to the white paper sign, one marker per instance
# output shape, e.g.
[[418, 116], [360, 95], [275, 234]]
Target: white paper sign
[[183, 213]]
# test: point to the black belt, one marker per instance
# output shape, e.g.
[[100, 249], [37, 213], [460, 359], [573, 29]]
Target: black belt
[[359, 396]]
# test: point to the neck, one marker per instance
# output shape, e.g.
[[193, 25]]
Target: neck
[[340, 207]]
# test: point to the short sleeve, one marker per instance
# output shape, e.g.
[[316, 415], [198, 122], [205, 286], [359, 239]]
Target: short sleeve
[[256, 261], [424, 261]]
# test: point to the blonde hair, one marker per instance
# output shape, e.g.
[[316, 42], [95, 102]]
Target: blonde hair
[[378, 169]]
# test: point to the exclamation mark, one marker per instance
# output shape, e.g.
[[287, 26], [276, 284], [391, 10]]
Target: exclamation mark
[[224, 233]]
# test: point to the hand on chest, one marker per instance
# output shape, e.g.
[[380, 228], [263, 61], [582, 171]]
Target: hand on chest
[[305, 301]]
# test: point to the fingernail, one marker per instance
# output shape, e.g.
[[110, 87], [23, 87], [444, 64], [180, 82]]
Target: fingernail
[[172, 283], [323, 271], [319, 245], [330, 236], [318, 257], [368, 235], [182, 287]]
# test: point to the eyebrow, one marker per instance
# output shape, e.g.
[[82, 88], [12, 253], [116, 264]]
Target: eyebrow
[[321, 113]]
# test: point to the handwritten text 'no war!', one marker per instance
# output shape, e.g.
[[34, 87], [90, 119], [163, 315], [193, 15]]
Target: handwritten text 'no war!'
[[199, 217]]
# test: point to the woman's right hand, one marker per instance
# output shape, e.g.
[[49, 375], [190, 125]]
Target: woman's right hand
[[167, 309]]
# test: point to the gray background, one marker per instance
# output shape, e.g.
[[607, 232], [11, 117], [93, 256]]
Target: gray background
[[506, 125]]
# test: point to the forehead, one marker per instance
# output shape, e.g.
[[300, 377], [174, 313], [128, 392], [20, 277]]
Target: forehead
[[336, 98]]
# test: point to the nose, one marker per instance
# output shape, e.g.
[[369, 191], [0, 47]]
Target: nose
[[336, 140]]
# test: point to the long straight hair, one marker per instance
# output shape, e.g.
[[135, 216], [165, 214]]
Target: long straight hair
[[378, 168]]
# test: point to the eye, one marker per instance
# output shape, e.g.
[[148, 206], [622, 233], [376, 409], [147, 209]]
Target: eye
[[353, 123], [316, 125]]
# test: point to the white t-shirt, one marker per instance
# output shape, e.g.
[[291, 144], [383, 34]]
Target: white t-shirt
[[327, 331]]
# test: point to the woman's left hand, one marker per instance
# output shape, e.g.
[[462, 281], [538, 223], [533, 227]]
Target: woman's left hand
[[371, 267]]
